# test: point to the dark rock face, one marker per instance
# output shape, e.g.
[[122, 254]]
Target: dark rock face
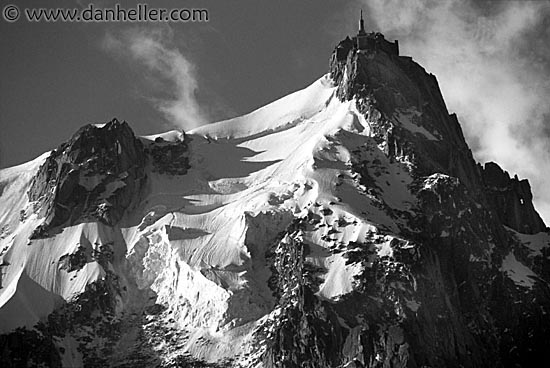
[[169, 157], [441, 298], [386, 85], [307, 334], [94, 176], [74, 261], [90, 318], [512, 199], [455, 237], [23, 347]]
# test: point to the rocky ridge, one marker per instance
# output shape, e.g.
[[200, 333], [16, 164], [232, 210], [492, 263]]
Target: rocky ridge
[[93, 176]]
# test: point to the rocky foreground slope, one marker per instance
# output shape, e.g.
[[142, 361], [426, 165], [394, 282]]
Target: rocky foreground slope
[[345, 225]]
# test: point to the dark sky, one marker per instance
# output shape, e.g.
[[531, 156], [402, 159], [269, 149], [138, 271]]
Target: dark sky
[[56, 77]]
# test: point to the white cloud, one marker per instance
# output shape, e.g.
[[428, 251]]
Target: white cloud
[[169, 73], [490, 73]]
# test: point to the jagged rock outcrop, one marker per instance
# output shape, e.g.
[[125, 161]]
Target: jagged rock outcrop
[[512, 200], [93, 176], [90, 322], [397, 94], [306, 333], [169, 157]]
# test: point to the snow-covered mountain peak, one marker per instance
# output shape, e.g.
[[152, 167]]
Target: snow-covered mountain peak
[[344, 225]]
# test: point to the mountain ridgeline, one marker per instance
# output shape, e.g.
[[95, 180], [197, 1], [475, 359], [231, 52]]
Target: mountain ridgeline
[[345, 225]]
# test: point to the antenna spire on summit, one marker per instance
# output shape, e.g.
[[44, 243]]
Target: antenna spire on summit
[[361, 24]]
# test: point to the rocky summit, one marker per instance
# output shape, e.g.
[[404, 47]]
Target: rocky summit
[[344, 225]]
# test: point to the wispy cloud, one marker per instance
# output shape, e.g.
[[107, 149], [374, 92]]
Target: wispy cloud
[[171, 76], [492, 60]]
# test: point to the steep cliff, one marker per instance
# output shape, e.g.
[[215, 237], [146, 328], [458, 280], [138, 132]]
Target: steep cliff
[[512, 199], [93, 176]]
